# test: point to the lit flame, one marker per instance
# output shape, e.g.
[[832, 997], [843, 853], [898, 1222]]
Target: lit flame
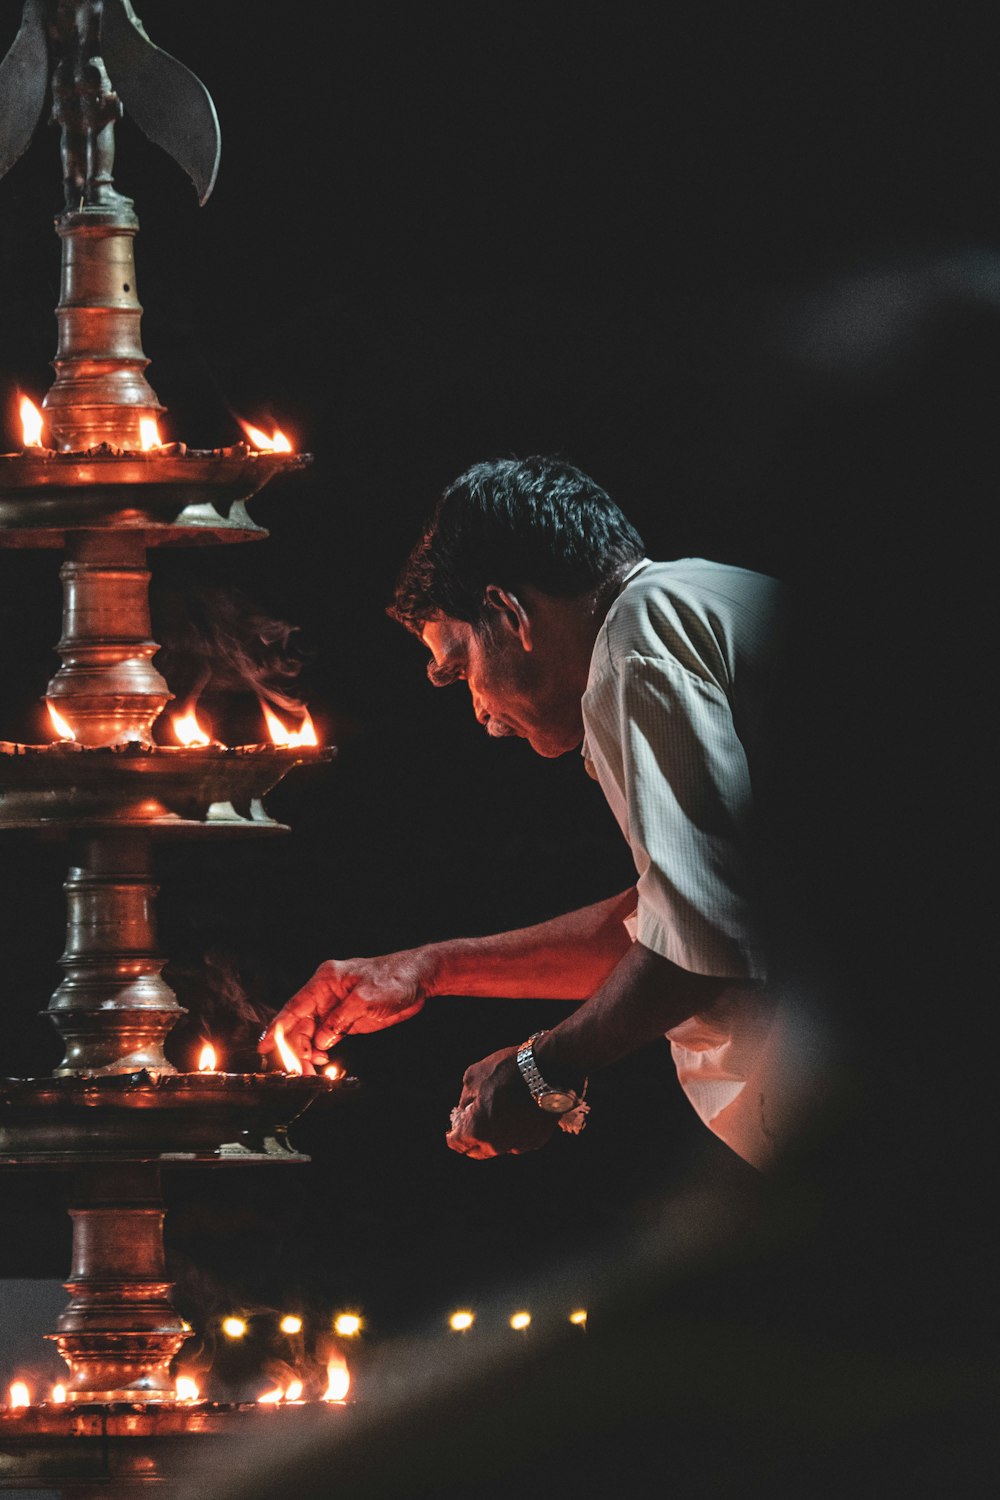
[[59, 724], [338, 1379], [149, 434], [289, 1061], [31, 424], [304, 735], [259, 440], [579, 1317], [207, 1060], [520, 1320], [234, 1328], [291, 1392], [461, 1321], [186, 1389], [58, 1394], [333, 1070], [20, 1394], [347, 1325], [189, 731], [290, 1324]]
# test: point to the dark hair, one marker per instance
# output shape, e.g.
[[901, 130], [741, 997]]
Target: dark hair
[[510, 522]]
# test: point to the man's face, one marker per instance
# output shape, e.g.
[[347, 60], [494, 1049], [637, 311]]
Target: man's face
[[516, 689]]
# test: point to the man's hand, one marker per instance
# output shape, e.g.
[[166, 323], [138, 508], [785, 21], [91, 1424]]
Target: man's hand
[[495, 1113], [349, 995]]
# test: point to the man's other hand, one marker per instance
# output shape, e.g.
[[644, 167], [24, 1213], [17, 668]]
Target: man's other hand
[[495, 1113], [348, 995]]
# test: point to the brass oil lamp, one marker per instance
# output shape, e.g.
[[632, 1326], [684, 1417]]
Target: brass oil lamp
[[95, 483]]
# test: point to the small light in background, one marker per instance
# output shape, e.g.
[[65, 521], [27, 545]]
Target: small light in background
[[520, 1321], [461, 1321], [290, 1324], [233, 1328], [579, 1317], [347, 1325]]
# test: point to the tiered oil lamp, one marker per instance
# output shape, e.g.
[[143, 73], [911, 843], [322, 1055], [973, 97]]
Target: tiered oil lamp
[[94, 481]]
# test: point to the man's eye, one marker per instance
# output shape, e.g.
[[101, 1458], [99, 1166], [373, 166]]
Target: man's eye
[[443, 676]]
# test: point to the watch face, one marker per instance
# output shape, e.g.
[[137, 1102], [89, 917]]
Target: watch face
[[556, 1103]]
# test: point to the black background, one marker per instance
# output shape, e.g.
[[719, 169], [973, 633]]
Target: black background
[[740, 264]]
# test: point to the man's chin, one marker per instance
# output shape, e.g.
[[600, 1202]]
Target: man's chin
[[552, 749]]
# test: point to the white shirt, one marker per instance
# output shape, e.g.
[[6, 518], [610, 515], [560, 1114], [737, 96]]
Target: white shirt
[[674, 713]]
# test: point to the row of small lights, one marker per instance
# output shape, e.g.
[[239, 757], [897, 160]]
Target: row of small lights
[[349, 1325], [462, 1320], [345, 1325]]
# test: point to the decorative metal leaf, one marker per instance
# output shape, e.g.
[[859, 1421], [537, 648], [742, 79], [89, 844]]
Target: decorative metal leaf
[[163, 97], [24, 80]]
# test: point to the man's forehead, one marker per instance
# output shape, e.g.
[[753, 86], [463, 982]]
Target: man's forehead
[[445, 637]]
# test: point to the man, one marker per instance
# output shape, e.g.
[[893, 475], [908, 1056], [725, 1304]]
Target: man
[[532, 587]]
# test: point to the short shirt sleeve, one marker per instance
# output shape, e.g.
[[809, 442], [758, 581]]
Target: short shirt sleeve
[[662, 743]]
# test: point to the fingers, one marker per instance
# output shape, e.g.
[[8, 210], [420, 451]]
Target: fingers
[[318, 998], [461, 1137], [328, 1034], [477, 1150]]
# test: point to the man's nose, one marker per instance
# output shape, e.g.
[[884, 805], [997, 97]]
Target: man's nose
[[478, 707]]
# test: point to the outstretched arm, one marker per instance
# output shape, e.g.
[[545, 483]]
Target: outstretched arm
[[566, 958]]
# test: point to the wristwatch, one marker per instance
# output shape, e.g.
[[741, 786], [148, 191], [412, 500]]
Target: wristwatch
[[569, 1106]]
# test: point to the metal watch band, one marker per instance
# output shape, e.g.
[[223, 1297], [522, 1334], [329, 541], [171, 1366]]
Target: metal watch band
[[572, 1119], [529, 1068]]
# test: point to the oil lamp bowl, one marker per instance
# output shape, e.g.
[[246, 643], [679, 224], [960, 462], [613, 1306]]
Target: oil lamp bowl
[[144, 1444], [175, 1118], [164, 788], [171, 496]]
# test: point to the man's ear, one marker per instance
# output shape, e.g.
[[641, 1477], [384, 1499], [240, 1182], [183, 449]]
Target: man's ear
[[507, 613]]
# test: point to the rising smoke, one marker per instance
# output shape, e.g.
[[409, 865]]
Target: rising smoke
[[215, 642]]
